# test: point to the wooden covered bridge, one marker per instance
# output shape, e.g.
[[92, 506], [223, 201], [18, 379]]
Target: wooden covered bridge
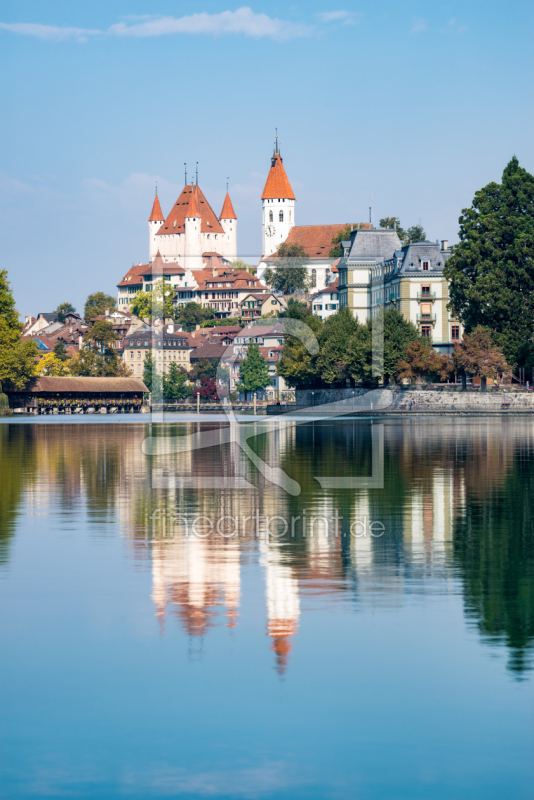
[[79, 395]]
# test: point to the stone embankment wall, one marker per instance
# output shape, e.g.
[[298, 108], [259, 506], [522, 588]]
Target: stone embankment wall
[[461, 401], [319, 397]]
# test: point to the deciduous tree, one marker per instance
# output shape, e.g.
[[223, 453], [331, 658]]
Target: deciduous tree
[[477, 355], [253, 371], [51, 365], [175, 385], [289, 274], [192, 314], [17, 357], [62, 309], [96, 305]]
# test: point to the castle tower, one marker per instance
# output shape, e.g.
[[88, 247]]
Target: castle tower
[[228, 220], [193, 238], [155, 221], [278, 205]]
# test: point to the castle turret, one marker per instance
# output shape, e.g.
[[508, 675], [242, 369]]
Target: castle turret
[[278, 203], [193, 238], [155, 221], [228, 220]]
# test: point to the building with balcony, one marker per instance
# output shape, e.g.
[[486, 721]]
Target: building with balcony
[[376, 272]]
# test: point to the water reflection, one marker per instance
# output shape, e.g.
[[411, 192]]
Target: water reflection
[[456, 509]]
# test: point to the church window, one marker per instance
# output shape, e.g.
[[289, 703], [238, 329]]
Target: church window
[[314, 277], [290, 216], [271, 217], [281, 216]]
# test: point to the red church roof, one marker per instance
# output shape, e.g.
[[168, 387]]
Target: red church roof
[[277, 184], [227, 209], [156, 215]]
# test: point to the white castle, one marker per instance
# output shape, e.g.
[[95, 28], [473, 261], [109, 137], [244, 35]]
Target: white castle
[[192, 230]]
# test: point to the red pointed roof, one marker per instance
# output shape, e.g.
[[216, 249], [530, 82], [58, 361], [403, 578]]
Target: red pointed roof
[[227, 209], [193, 209], [156, 214], [277, 184], [191, 194]]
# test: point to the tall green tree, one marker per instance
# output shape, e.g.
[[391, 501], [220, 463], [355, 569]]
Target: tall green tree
[[253, 371], [298, 365], [289, 273], [175, 385], [491, 271], [96, 305], [62, 309], [333, 363], [17, 357], [60, 351]]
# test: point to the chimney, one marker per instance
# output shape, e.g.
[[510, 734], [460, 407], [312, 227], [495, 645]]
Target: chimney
[[444, 244], [80, 340], [107, 312], [70, 329], [197, 328], [170, 328]]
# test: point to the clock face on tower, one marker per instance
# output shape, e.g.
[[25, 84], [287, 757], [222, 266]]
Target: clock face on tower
[[270, 230]]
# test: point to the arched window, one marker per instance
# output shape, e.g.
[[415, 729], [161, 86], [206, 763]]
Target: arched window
[[281, 216], [271, 216], [314, 277], [290, 216]]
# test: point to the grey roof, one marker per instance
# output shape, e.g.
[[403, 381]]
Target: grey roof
[[49, 317], [418, 252], [375, 243]]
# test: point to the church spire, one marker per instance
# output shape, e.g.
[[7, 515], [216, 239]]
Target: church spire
[[227, 209], [277, 185]]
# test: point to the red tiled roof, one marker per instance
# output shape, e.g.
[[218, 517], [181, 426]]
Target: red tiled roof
[[134, 275], [330, 289], [156, 214], [191, 200], [227, 209], [315, 239], [277, 184], [159, 267], [238, 278]]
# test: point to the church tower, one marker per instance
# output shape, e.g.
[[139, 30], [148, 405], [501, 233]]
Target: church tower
[[155, 221], [278, 205]]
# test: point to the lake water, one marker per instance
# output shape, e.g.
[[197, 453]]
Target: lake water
[[381, 647]]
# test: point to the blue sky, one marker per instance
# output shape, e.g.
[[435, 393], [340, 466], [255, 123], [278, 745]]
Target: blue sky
[[416, 103]]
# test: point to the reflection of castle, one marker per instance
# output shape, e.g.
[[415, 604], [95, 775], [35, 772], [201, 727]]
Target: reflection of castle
[[283, 606], [192, 576]]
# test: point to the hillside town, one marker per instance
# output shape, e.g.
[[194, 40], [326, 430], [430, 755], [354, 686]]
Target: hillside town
[[195, 317]]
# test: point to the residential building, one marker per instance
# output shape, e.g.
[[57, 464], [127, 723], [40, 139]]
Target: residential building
[[260, 305], [326, 302], [270, 339], [167, 344], [376, 271]]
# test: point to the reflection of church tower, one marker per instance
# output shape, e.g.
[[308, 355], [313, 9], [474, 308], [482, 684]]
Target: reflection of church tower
[[278, 204], [283, 606]]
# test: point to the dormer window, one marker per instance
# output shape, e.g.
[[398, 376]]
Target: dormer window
[[425, 266]]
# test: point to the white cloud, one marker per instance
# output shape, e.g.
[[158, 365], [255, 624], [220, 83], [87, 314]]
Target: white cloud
[[420, 25], [346, 17], [243, 21], [48, 32], [454, 27]]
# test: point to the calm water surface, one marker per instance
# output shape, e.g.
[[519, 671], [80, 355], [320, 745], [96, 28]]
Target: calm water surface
[[139, 659]]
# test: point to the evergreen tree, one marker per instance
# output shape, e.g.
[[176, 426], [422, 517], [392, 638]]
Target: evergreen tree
[[60, 351], [17, 357], [253, 371], [332, 360], [289, 274], [149, 369], [491, 271], [175, 384]]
